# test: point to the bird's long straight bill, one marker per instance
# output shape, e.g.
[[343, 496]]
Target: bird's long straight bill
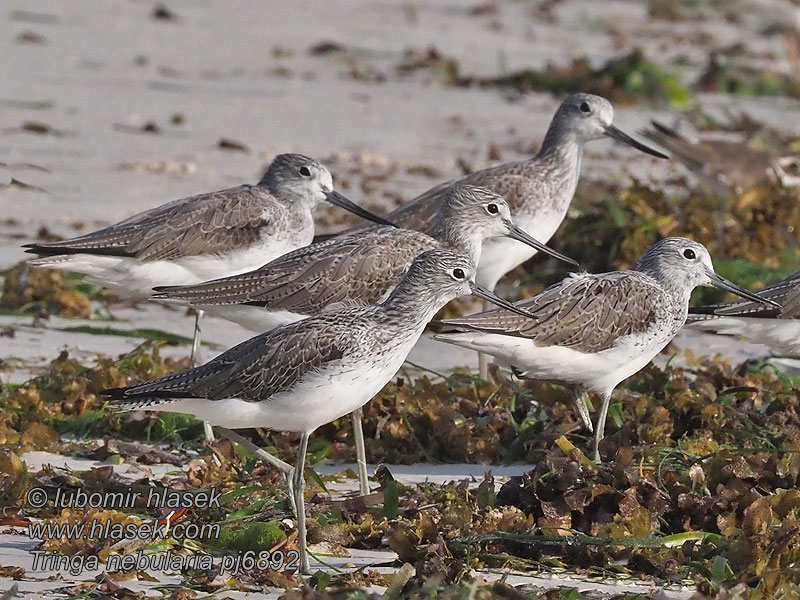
[[623, 137], [718, 281], [337, 199], [483, 293], [515, 233]]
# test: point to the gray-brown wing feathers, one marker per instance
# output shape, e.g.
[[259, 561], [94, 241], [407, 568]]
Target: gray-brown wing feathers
[[785, 292], [209, 223], [508, 180], [253, 371], [585, 312], [733, 164], [675, 143], [358, 268]]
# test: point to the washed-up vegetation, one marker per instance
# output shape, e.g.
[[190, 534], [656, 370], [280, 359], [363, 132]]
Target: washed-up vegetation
[[699, 487], [623, 80], [626, 79], [728, 77], [750, 235], [30, 290]]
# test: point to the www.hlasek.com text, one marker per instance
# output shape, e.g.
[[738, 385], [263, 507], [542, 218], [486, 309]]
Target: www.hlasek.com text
[[109, 530]]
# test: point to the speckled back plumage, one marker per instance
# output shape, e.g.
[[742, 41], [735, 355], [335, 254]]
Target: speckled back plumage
[[785, 292], [589, 313], [360, 267], [206, 224], [584, 312], [356, 266], [529, 186], [279, 360], [254, 370]]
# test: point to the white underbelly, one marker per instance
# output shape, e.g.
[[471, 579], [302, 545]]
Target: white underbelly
[[134, 278], [781, 335], [254, 318], [498, 257], [323, 396], [600, 371]]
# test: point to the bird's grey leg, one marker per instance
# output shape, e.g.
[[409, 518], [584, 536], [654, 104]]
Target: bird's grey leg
[[483, 358], [599, 430], [299, 500], [361, 451], [583, 409], [194, 361], [208, 431], [285, 468]]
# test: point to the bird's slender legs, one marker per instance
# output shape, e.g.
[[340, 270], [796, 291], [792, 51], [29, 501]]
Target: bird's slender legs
[[296, 482], [194, 361], [361, 452], [208, 431], [599, 430], [580, 402], [483, 359], [285, 468], [299, 500]]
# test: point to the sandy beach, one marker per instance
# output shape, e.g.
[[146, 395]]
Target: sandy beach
[[110, 108]]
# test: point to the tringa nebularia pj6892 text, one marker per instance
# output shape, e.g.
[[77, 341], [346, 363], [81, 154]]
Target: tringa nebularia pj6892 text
[[305, 374], [778, 328], [360, 268], [593, 331]]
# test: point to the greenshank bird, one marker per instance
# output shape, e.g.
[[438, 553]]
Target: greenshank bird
[[593, 331], [305, 374], [201, 237], [360, 268], [725, 166], [538, 190], [778, 328]]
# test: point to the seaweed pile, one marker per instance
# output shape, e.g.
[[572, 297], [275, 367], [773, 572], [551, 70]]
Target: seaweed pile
[[699, 487], [42, 292]]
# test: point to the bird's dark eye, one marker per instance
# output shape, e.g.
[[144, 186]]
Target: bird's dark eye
[[304, 171], [585, 107], [492, 208], [458, 274], [689, 253]]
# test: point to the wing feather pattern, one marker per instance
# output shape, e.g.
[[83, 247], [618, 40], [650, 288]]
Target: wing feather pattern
[[359, 267], [785, 292], [252, 371], [217, 222], [583, 312]]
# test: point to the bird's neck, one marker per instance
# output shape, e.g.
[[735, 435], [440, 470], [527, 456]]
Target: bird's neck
[[559, 163], [295, 201], [561, 145], [674, 284], [413, 303], [459, 237]]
